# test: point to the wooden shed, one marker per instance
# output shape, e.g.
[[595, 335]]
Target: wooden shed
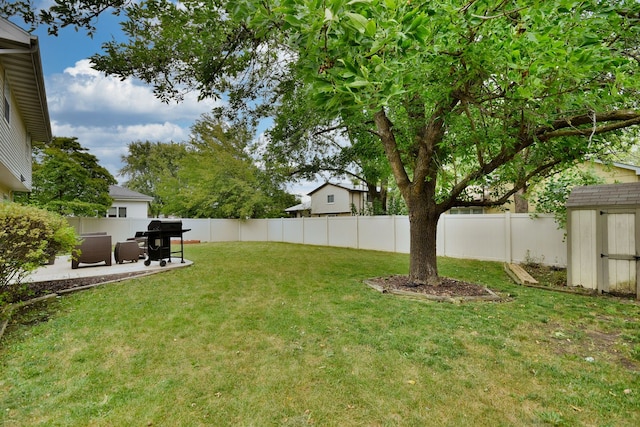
[[603, 238]]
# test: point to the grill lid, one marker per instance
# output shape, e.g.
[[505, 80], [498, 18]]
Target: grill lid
[[165, 225]]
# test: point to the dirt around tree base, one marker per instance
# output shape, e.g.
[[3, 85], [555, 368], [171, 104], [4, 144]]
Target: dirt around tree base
[[447, 290]]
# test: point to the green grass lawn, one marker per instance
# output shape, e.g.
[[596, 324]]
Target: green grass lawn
[[259, 334]]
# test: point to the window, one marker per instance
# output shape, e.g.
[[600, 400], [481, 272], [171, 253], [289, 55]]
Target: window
[[115, 212], [330, 198]]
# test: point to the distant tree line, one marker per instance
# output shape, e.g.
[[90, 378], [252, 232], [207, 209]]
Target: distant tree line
[[212, 175]]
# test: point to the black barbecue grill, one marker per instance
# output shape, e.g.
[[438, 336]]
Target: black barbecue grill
[[158, 235]]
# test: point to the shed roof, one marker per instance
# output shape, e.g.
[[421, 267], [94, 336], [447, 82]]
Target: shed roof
[[627, 194], [124, 194]]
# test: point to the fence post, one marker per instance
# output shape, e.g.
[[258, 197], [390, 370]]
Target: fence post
[[304, 232], [326, 231], [507, 236], [442, 225], [395, 234]]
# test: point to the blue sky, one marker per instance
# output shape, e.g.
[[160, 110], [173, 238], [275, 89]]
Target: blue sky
[[107, 114], [104, 113]]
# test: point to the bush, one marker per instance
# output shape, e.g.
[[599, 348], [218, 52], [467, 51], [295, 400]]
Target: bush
[[552, 197], [29, 236]]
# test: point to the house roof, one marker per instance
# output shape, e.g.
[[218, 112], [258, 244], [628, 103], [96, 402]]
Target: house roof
[[20, 58], [626, 166], [627, 194], [343, 186], [124, 194], [300, 207]]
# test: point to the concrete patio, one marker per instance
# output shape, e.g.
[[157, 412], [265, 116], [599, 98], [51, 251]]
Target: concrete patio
[[61, 269]]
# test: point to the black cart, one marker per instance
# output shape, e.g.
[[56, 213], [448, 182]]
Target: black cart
[[158, 235]]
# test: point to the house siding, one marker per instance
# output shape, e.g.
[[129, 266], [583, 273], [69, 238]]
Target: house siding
[[612, 174], [343, 201], [15, 144], [134, 209], [320, 205]]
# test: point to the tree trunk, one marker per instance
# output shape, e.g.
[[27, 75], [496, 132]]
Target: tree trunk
[[521, 203], [423, 225], [383, 195], [420, 195]]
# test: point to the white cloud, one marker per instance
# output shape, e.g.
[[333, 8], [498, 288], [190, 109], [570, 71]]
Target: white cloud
[[109, 143], [83, 94], [106, 113]]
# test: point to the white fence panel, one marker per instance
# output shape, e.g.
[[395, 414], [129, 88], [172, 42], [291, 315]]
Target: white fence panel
[[315, 231], [403, 243], [293, 230], [494, 237], [537, 240], [376, 233], [473, 236], [343, 231], [120, 229], [200, 229], [223, 230], [255, 230], [275, 230]]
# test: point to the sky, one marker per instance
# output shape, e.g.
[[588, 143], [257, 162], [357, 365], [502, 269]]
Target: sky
[[105, 113]]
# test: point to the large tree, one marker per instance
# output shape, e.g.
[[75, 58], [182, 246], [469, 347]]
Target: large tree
[[303, 144], [464, 96], [147, 164], [218, 178], [68, 180]]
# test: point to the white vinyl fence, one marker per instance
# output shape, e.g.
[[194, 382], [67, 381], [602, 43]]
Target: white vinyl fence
[[492, 237]]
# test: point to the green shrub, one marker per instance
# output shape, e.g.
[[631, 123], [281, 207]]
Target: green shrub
[[29, 236]]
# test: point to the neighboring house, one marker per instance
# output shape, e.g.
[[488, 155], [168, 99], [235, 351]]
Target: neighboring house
[[613, 173], [337, 200], [301, 210], [128, 203], [24, 116]]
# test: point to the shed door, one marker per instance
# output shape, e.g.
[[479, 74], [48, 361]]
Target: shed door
[[620, 256]]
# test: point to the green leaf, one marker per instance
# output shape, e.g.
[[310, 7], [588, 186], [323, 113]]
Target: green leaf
[[358, 83], [370, 29], [358, 21], [328, 15], [590, 39], [292, 20]]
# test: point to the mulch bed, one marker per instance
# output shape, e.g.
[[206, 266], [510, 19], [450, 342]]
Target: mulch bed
[[447, 287], [39, 289], [449, 290]]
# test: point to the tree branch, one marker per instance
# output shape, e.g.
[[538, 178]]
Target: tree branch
[[568, 127], [386, 135], [500, 15], [505, 197]]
